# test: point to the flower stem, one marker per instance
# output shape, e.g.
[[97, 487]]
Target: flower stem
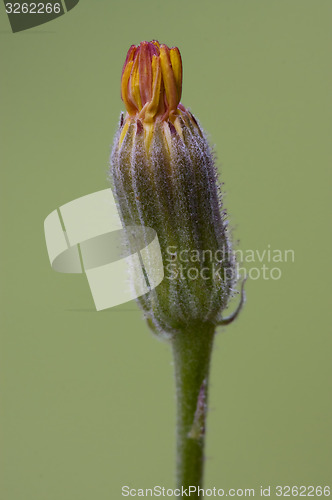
[[192, 354]]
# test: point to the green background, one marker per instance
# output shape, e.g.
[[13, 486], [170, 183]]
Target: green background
[[87, 398]]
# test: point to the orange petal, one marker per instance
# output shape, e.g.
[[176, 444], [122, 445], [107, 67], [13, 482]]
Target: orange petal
[[134, 85], [176, 62], [153, 105], [169, 78], [124, 88]]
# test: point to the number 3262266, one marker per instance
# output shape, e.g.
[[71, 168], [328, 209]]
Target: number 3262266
[[33, 8], [303, 491]]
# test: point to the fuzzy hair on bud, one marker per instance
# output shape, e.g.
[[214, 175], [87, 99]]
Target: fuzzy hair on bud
[[171, 185]]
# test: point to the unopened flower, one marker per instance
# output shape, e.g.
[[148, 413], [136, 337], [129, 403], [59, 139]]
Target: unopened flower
[[164, 177], [151, 86]]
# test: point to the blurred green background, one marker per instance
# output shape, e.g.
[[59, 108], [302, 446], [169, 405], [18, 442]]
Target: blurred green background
[[88, 398]]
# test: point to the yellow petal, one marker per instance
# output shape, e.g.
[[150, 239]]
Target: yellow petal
[[177, 69], [168, 78], [153, 105], [134, 85], [124, 88]]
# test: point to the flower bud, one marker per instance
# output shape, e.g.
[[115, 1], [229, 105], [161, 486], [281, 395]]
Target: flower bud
[[164, 177]]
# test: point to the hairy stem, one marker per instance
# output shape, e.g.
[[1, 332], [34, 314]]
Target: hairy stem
[[192, 354]]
